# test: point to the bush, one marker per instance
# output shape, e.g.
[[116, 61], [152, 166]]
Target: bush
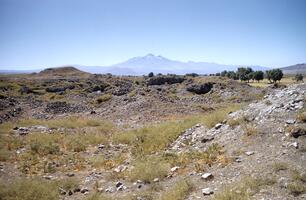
[[151, 74], [298, 77]]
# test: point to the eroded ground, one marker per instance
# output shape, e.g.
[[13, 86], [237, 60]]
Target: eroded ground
[[94, 137]]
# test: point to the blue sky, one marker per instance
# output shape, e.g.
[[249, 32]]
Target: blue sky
[[47, 33]]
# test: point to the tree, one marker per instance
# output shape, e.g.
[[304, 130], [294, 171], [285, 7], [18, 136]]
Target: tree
[[274, 75], [223, 73], [244, 74], [258, 75], [298, 77], [232, 75], [151, 74], [192, 74]]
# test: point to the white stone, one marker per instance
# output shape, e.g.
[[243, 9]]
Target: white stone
[[207, 176], [248, 153], [173, 169], [207, 191]]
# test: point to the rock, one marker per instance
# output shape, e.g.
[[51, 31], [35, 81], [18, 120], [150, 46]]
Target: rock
[[118, 184], [238, 159], [62, 191], [248, 153], [70, 174], [173, 169], [207, 191], [200, 89], [156, 180], [207, 176], [22, 130], [77, 189], [121, 187], [297, 132], [217, 126], [84, 190], [120, 168], [48, 177], [109, 189], [294, 144], [290, 121], [163, 79]]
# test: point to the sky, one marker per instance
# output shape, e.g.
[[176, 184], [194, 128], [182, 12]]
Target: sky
[[49, 33]]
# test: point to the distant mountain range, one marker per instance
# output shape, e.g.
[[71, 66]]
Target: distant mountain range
[[159, 64], [294, 69]]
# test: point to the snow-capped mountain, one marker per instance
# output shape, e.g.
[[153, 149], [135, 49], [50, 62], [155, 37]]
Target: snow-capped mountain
[[159, 64]]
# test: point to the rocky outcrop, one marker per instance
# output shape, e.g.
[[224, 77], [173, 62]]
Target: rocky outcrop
[[201, 88], [161, 80]]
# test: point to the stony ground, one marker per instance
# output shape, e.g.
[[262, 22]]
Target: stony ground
[[103, 137]]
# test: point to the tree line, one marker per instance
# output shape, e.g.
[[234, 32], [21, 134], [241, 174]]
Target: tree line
[[247, 74]]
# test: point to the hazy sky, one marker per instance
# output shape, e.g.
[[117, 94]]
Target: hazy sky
[[46, 33]]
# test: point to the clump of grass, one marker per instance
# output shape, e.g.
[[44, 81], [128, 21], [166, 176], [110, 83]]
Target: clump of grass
[[75, 143], [297, 176], [103, 98], [28, 189], [71, 122], [102, 162], [44, 144], [301, 117], [79, 141], [244, 189], [238, 121], [142, 139], [212, 155], [4, 155], [279, 166], [68, 183], [132, 94], [249, 129], [178, 191], [148, 168], [296, 188]]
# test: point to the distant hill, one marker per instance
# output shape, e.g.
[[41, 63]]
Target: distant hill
[[62, 71], [159, 64], [294, 69]]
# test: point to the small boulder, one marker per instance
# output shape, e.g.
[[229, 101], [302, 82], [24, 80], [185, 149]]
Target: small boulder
[[207, 176], [249, 153], [173, 169], [207, 191]]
